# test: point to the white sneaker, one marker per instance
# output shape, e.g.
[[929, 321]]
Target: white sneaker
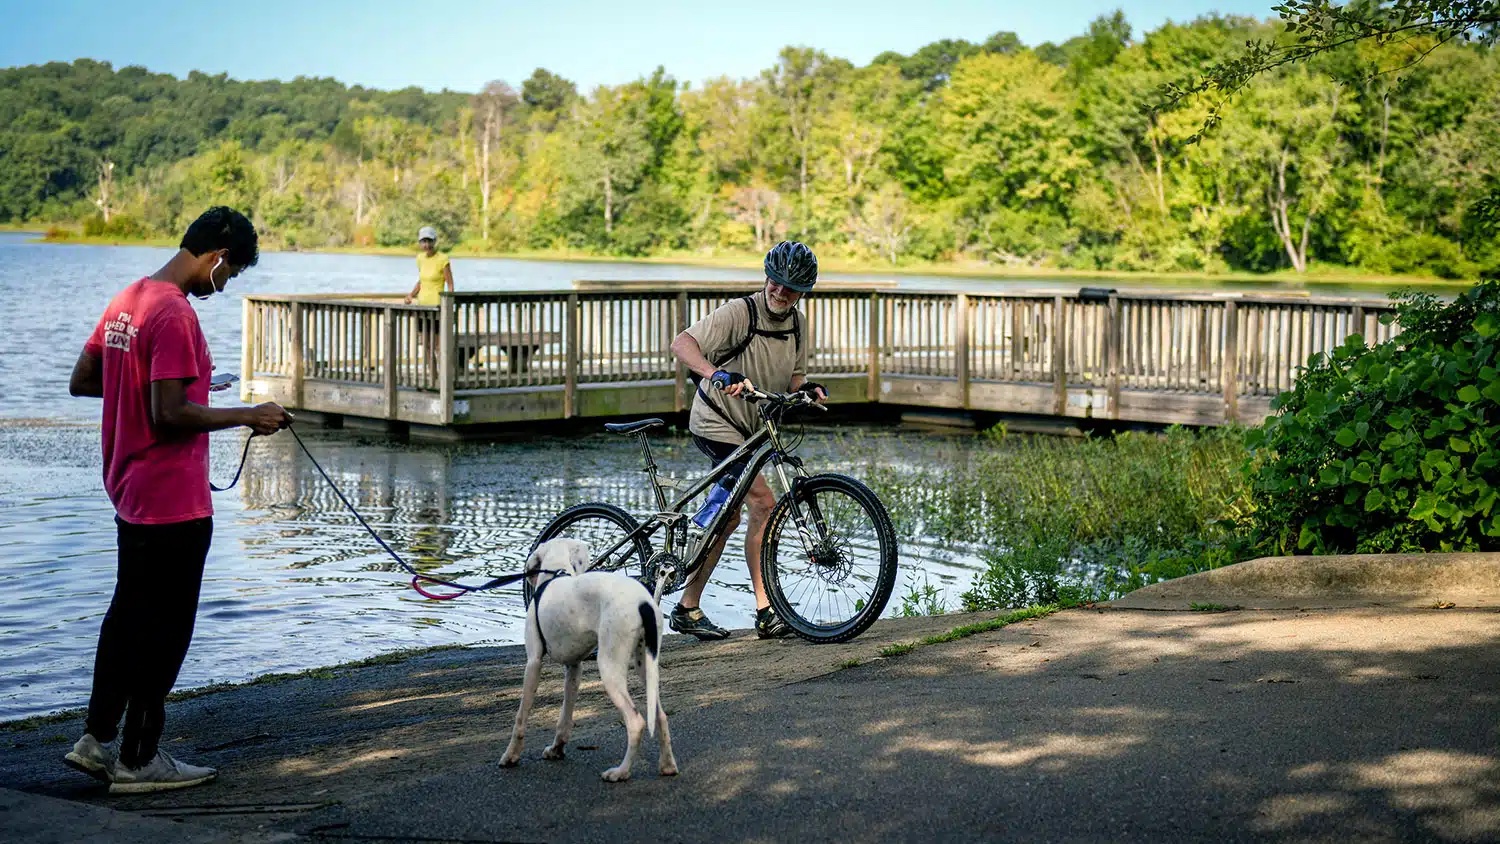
[[91, 757], [162, 773]]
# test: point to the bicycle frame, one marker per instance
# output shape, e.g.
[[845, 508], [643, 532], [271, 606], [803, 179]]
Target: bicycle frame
[[762, 447]]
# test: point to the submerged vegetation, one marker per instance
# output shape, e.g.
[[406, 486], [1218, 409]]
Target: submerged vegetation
[[1061, 521]]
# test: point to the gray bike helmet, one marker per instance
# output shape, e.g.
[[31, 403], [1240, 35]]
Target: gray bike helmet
[[791, 264]]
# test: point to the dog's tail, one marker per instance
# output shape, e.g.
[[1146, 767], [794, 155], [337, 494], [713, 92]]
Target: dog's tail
[[650, 647]]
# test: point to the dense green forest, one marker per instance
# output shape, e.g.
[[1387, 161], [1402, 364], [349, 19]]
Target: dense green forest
[[990, 152]]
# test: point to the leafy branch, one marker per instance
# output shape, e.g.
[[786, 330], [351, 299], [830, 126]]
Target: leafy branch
[[1314, 27]]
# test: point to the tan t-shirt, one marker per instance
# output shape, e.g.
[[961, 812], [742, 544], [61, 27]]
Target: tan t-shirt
[[769, 362]]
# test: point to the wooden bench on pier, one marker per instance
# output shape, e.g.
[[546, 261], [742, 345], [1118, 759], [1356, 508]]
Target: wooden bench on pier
[[518, 346]]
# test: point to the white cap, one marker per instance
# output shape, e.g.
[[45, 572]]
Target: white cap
[[427, 233]]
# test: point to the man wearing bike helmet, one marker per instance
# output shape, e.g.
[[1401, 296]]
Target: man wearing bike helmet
[[757, 342]]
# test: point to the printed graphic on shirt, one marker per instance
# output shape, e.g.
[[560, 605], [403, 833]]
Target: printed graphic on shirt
[[119, 331]]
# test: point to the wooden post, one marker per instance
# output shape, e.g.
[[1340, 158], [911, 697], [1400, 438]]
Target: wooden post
[[1018, 347], [679, 393], [1357, 322], [299, 364], [447, 357], [1231, 370], [367, 343], [388, 327], [872, 388], [248, 347], [1059, 357], [1112, 353], [961, 346], [570, 358]]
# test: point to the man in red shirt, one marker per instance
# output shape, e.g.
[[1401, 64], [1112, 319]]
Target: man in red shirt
[[149, 361]]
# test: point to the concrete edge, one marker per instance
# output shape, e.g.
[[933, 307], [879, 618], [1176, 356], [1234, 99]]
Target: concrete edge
[[1469, 580]]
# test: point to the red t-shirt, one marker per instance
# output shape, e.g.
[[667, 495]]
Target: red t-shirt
[[151, 333]]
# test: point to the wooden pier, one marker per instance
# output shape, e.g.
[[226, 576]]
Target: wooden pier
[[601, 350]]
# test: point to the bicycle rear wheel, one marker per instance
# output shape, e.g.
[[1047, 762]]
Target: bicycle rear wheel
[[831, 583], [606, 529]]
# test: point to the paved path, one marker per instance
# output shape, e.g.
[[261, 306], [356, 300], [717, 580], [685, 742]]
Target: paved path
[[1090, 725]]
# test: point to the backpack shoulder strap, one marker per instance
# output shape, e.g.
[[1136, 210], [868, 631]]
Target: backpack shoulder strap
[[795, 332], [740, 347]]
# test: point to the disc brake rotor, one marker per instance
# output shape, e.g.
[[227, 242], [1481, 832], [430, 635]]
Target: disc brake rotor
[[830, 562]]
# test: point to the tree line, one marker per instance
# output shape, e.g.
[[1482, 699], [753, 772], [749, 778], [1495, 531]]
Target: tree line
[[1376, 154]]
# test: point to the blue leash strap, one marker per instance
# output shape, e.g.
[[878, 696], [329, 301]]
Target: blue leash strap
[[244, 455]]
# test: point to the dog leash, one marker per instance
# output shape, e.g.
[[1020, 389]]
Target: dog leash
[[244, 455], [417, 578]]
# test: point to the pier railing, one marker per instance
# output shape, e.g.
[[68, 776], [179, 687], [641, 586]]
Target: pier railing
[[512, 356]]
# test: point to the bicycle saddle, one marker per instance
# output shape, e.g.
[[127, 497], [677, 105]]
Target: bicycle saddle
[[632, 427]]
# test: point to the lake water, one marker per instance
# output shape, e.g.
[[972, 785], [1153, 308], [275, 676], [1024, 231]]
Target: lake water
[[293, 582]]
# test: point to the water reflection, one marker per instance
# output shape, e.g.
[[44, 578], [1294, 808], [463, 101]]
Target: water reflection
[[293, 579], [458, 511]]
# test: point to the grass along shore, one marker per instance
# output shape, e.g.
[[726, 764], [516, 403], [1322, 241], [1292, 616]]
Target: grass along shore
[[1064, 521]]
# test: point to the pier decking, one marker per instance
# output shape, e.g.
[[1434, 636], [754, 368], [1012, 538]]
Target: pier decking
[[601, 350]]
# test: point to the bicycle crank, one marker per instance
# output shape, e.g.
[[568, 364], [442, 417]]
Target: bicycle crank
[[664, 564]]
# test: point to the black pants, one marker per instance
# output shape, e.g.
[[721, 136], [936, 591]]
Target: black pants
[[146, 632], [717, 451]]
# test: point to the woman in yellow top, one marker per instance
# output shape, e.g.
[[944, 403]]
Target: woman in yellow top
[[433, 270]]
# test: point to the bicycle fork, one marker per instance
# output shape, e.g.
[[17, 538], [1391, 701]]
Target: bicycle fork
[[811, 542]]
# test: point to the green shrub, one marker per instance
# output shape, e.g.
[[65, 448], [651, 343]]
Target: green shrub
[[1425, 254], [1392, 447], [920, 601], [1026, 573], [119, 225]]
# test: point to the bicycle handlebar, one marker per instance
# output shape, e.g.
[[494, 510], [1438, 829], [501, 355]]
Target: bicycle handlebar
[[794, 399]]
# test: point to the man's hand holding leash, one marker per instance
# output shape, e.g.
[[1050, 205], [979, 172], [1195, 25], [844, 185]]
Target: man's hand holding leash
[[267, 418]]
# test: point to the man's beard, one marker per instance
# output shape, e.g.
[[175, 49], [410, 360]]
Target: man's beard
[[771, 306]]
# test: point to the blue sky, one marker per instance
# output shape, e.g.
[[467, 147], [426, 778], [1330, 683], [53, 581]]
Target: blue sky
[[461, 45]]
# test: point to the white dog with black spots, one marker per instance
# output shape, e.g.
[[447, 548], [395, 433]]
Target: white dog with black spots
[[572, 612]]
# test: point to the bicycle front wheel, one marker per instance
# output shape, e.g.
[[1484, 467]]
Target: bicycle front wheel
[[829, 558], [607, 530]]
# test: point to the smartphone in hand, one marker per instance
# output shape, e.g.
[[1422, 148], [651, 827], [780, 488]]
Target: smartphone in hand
[[223, 379]]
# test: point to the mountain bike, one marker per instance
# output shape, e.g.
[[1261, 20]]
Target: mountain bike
[[828, 560]]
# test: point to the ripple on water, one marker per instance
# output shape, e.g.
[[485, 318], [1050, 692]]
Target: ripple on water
[[293, 582]]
